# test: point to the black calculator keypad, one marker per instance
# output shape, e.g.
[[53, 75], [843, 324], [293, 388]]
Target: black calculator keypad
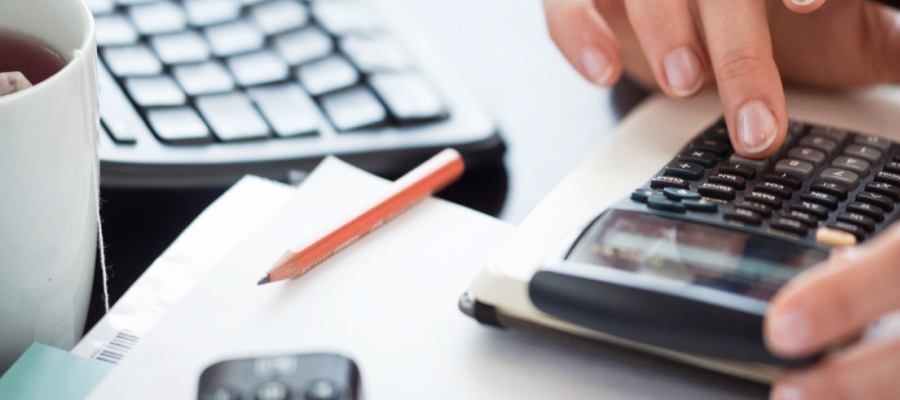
[[888, 177], [743, 171], [820, 211], [841, 177], [784, 178], [801, 216], [717, 147], [762, 209], [743, 215], [790, 225], [777, 189], [663, 181], [863, 221], [702, 157], [834, 189], [853, 229], [824, 199], [732, 180], [716, 191], [876, 199], [892, 167], [705, 206], [685, 170], [764, 198], [886, 189], [663, 203], [680, 194], [874, 212]]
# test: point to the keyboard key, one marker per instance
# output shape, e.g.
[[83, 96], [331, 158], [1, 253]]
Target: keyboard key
[[743, 171], [820, 211], [100, 7], [764, 198], [857, 219], [886, 189], [838, 135], [683, 169], [375, 53], [131, 61], [888, 177], [663, 181], [178, 126], [877, 142], [743, 215], [801, 216], [842, 177], [775, 188], [875, 212], [814, 157], [762, 209], [155, 91], [661, 203], [354, 108], [866, 153], [328, 75], [303, 46], [851, 164], [234, 38], [210, 12], [879, 200], [834, 237], [160, 17], [258, 68], [181, 48], [134, 2], [831, 188], [802, 169], [408, 97], [759, 165], [728, 179], [118, 130], [892, 167], [716, 191], [288, 109], [701, 205], [786, 179], [114, 30], [680, 194], [789, 225], [824, 199], [718, 147], [825, 145], [232, 117], [207, 78], [852, 229], [279, 16], [642, 195], [704, 158], [343, 17]]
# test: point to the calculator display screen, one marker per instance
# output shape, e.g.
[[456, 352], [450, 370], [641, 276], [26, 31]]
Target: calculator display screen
[[741, 263]]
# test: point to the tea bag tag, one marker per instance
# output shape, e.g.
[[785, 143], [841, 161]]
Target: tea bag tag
[[11, 82]]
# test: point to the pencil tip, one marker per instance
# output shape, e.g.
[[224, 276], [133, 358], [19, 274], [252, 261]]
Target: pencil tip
[[264, 280]]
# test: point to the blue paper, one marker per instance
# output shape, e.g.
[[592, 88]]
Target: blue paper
[[45, 372]]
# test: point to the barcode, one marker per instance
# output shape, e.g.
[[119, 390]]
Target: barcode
[[116, 349]]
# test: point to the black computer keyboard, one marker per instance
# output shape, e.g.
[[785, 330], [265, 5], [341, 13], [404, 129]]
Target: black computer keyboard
[[200, 92]]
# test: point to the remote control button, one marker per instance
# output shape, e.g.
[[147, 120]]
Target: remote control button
[[716, 191], [799, 168], [322, 390], [879, 200], [877, 213], [838, 135], [834, 237], [743, 215], [819, 143], [718, 131], [663, 181], [762, 209], [852, 229], [786, 179], [888, 177], [717, 147], [741, 170], [701, 205], [728, 179], [866, 153], [892, 167], [680, 194], [877, 142], [865, 222], [759, 165], [789, 225], [662, 203], [820, 211], [683, 169], [831, 188], [641, 195], [840, 176], [272, 391], [884, 188], [775, 188], [801, 216], [820, 198], [814, 157], [704, 158], [764, 198], [222, 393], [856, 165]]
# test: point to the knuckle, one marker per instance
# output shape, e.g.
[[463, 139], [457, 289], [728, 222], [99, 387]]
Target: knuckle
[[740, 63]]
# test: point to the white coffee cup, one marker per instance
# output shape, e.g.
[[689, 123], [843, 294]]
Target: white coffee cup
[[48, 225]]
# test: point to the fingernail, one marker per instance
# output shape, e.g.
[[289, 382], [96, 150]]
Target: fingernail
[[802, 2], [682, 69], [597, 66], [791, 330], [756, 127], [787, 392]]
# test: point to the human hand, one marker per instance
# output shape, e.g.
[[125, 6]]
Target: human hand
[[743, 45], [831, 304]]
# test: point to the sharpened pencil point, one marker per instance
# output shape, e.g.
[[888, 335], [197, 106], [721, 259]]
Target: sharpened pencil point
[[264, 280]]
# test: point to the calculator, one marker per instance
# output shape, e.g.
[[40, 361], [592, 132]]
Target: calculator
[[690, 260]]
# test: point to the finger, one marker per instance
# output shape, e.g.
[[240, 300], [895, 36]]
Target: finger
[[740, 49], [585, 39], [671, 43], [866, 371], [837, 299], [803, 6]]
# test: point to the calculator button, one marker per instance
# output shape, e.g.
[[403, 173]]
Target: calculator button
[[893, 167], [663, 181], [863, 221], [728, 179], [834, 237], [680, 194], [743, 215], [877, 142], [718, 131], [775, 188], [784, 178], [718, 147], [820, 211], [662, 203], [831, 188], [888, 177], [716, 191], [764, 198], [867, 153], [701, 205], [841, 177], [704, 158], [799, 168], [759, 165], [641, 195], [762, 209], [683, 169], [852, 229], [886, 189], [838, 135], [801, 216], [789, 225], [879, 200], [814, 157], [820, 198], [877, 213], [272, 391], [232, 117], [819, 143], [855, 165], [743, 171]]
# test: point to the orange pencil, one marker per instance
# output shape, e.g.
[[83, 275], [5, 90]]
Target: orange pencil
[[415, 186]]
